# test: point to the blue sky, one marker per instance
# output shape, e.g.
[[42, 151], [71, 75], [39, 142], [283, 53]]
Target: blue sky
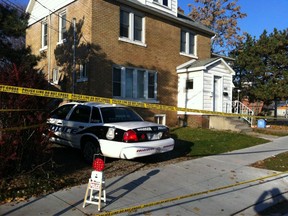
[[261, 14]]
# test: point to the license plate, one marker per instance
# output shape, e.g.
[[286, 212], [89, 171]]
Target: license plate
[[154, 136]]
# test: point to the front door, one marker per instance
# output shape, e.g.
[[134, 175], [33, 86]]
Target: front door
[[217, 96]]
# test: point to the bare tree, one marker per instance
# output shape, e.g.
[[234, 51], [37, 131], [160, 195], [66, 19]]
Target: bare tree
[[222, 17]]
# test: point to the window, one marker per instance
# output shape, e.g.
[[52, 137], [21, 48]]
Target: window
[[83, 76], [160, 119], [134, 83], [96, 117], [131, 26], [44, 35], [117, 82], [189, 84], [163, 2], [62, 27], [55, 76], [81, 113], [124, 24], [187, 43], [61, 112], [119, 114]]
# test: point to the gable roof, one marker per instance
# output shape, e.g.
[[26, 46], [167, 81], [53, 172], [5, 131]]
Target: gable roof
[[203, 65]]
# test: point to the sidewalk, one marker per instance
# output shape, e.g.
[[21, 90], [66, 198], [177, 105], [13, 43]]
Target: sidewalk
[[180, 179]]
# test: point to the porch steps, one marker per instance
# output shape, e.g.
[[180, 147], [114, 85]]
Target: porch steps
[[232, 124], [240, 125]]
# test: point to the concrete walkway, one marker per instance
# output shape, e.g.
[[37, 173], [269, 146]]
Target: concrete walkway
[[185, 178]]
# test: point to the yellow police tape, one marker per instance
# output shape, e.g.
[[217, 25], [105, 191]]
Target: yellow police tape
[[19, 110], [131, 209], [87, 98], [21, 128]]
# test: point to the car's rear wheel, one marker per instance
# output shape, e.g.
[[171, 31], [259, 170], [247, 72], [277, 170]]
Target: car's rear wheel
[[90, 147]]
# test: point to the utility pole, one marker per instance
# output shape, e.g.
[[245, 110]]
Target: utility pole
[[74, 56]]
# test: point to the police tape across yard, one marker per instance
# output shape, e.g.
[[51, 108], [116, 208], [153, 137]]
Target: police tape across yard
[[146, 205], [87, 98]]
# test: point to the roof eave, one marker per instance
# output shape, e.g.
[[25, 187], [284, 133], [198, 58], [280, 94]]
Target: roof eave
[[30, 6], [224, 62]]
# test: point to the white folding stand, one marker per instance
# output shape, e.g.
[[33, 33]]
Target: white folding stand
[[96, 183]]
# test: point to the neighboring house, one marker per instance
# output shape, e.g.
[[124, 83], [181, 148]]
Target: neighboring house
[[256, 106], [282, 110], [145, 50]]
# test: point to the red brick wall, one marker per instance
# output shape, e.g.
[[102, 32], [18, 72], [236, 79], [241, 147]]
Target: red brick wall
[[194, 121]]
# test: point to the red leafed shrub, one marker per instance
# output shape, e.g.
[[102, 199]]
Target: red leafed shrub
[[22, 145]]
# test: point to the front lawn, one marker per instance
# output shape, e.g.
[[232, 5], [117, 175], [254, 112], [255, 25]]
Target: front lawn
[[203, 142]]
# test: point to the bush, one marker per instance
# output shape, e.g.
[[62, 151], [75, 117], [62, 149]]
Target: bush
[[21, 142]]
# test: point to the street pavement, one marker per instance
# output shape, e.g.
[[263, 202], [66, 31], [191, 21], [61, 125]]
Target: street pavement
[[223, 184]]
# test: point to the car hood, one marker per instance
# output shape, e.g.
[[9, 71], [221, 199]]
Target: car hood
[[134, 125]]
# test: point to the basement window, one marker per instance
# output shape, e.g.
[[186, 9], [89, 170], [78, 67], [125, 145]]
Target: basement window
[[160, 119]]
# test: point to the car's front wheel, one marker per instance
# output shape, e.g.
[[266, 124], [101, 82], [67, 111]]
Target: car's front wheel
[[90, 147]]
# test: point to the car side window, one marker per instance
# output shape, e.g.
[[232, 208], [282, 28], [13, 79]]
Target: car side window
[[61, 112], [96, 117], [81, 113]]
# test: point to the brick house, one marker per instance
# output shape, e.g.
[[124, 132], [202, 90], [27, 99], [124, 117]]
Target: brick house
[[137, 46]]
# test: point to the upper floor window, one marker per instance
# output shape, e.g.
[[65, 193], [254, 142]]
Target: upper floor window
[[131, 26], [134, 83], [62, 26], [188, 43], [44, 35], [163, 2]]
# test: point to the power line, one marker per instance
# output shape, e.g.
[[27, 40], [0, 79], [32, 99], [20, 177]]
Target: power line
[[8, 2], [53, 12], [11, 4]]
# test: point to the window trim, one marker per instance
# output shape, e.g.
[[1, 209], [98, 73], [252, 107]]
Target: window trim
[[160, 2], [187, 43], [43, 24], [55, 79], [135, 71], [83, 74], [61, 39], [131, 27]]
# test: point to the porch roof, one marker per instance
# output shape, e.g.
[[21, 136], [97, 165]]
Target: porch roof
[[197, 65]]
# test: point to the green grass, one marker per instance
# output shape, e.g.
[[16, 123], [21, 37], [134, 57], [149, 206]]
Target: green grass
[[277, 163], [199, 142]]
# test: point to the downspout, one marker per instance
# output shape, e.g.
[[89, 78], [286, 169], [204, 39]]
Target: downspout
[[185, 123], [49, 48]]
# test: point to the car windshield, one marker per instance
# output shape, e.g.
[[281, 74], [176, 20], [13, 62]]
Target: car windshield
[[119, 114]]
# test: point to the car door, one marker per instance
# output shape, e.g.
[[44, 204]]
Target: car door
[[57, 121], [78, 120]]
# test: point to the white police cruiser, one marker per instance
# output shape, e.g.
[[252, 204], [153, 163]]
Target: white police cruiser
[[111, 130]]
